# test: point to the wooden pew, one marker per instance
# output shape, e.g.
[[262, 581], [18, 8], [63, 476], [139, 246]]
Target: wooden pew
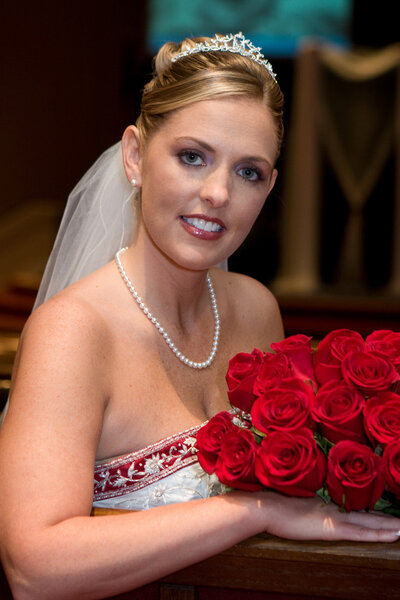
[[339, 570], [275, 569]]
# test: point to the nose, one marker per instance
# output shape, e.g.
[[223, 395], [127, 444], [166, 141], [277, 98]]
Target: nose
[[215, 188]]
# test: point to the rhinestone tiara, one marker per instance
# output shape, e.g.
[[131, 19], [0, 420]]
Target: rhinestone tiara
[[235, 43]]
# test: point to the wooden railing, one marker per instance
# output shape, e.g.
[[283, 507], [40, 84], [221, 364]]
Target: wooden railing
[[274, 566], [276, 569]]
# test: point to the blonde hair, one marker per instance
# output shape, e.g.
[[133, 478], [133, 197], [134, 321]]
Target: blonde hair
[[204, 76]]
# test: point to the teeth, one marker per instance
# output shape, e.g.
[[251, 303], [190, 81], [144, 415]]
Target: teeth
[[202, 224]]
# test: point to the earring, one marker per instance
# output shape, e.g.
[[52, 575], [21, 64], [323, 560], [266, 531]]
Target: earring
[[133, 182]]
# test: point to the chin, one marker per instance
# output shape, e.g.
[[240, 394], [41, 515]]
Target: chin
[[188, 257], [198, 263]]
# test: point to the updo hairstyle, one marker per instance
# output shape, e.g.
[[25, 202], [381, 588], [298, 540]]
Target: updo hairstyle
[[204, 76]]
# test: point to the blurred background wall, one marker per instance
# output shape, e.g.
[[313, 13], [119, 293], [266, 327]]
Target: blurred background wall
[[70, 78], [69, 82]]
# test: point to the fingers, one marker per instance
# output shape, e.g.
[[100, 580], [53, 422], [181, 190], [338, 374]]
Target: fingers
[[310, 519], [356, 533], [358, 526], [362, 527], [374, 521]]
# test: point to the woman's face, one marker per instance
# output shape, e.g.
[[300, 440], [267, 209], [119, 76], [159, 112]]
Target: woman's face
[[205, 175]]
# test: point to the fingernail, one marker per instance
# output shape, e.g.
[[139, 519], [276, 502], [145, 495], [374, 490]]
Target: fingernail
[[398, 533]]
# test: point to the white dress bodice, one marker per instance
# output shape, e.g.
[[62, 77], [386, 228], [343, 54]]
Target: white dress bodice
[[166, 472]]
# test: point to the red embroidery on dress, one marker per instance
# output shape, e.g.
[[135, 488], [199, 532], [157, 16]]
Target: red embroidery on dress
[[130, 472]]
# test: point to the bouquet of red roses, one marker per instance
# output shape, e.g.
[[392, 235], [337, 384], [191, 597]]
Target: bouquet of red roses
[[307, 422]]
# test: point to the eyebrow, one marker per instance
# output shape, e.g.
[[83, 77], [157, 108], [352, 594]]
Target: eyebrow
[[211, 149]]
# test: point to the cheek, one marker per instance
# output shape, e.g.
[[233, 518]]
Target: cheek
[[245, 219], [157, 195], [249, 211], [167, 188]]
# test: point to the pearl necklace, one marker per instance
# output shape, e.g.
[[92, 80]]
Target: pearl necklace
[[162, 331]]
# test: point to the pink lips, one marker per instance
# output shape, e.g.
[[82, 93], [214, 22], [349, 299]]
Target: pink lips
[[201, 233]]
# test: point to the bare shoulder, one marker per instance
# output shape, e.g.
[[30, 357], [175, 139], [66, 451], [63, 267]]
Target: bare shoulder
[[58, 399], [67, 320], [77, 312], [252, 306], [63, 347]]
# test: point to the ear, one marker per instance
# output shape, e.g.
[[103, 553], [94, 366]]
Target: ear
[[131, 154], [271, 184]]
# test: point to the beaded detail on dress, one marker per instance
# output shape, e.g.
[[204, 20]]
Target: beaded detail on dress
[[163, 473]]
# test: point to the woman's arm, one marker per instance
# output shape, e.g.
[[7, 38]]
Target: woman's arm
[[95, 557], [51, 547]]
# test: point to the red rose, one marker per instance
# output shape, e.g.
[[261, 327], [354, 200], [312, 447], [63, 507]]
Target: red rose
[[291, 462], [391, 466], [382, 418], [276, 367], [284, 408], [355, 476], [210, 438], [378, 335], [369, 371], [337, 408], [386, 342], [242, 371], [331, 351], [300, 354], [236, 462]]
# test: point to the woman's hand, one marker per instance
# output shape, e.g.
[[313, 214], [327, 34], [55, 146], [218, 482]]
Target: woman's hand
[[312, 519]]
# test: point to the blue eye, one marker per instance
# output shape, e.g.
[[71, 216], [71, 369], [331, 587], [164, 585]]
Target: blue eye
[[250, 174], [189, 157]]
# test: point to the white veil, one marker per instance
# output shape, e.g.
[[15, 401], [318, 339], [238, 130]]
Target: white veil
[[98, 220], [100, 217]]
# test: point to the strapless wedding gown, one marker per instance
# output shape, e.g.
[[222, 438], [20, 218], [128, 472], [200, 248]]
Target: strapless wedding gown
[[164, 473]]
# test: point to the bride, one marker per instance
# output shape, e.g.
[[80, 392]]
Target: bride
[[116, 372]]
